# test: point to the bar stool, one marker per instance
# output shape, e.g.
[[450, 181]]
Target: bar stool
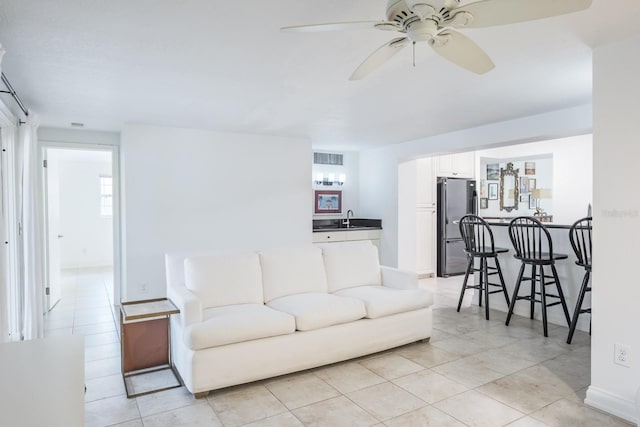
[[580, 237], [478, 242], [533, 246]]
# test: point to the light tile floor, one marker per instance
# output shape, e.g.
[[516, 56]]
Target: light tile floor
[[473, 372]]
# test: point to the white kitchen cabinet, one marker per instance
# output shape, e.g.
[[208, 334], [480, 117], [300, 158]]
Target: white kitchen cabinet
[[425, 183], [425, 241], [348, 236], [461, 165]]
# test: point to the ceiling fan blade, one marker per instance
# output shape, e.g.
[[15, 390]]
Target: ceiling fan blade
[[379, 57], [487, 13], [335, 26], [462, 51]]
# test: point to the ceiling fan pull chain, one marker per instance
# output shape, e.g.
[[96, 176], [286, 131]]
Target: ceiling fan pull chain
[[414, 54]]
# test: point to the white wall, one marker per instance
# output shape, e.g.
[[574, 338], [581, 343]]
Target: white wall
[[350, 189], [88, 235], [616, 293], [379, 167], [194, 190], [571, 178]]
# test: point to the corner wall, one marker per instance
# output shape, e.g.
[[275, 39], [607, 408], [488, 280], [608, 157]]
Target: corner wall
[[189, 190], [616, 235]]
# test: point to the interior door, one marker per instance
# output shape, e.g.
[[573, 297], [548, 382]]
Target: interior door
[[53, 233]]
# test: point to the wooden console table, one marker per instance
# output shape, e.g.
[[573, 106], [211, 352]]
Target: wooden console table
[[146, 346]]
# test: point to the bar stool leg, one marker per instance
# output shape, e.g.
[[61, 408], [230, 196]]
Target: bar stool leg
[[485, 273], [464, 283], [561, 294], [543, 302], [576, 313], [504, 287], [515, 294], [533, 290], [480, 285]]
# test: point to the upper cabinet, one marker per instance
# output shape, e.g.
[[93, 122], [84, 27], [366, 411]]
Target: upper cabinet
[[425, 183], [460, 165]]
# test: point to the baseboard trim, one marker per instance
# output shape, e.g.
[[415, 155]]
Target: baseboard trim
[[612, 404]]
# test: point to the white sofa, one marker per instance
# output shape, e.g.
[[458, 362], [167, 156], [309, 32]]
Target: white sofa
[[257, 315]]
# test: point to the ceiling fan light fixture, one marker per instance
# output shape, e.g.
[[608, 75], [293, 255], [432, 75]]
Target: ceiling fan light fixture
[[420, 31]]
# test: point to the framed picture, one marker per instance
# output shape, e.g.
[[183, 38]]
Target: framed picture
[[493, 191], [529, 168], [484, 203], [532, 203], [524, 198], [493, 171], [328, 201], [524, 184], [532, 184]]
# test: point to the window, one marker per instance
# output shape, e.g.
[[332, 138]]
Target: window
[[106, 196]]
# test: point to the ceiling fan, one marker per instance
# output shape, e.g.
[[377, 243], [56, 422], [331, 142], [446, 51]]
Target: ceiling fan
[[433, 21]]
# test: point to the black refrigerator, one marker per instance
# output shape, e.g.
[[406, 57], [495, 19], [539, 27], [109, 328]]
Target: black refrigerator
[[456, 198]]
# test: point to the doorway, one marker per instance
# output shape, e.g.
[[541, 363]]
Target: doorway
[[81, 220]]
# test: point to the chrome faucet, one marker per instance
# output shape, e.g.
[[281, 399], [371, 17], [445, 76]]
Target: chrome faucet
[[348, 220]]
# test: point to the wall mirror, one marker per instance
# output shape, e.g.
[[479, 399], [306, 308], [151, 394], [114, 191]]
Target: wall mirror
[[509, 189]]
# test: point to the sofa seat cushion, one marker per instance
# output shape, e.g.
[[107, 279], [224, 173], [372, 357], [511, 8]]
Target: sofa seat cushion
[[237, 323], [318, 310], [381, 301]]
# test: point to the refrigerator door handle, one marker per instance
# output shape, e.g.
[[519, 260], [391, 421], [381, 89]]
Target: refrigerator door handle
[[474, 201], [445, 211]]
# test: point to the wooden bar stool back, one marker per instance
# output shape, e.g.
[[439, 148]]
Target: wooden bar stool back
[[533, 246], [580, 237], [478, 241]]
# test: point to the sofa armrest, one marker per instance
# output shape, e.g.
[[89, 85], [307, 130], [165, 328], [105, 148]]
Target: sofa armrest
[[188, 303], [399, 279]]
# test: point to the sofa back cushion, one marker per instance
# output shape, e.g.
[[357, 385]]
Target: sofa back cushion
[[220, 280], [351, 264], [292, 271]]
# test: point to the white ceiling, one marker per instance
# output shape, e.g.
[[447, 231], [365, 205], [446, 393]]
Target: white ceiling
[[225, 65]]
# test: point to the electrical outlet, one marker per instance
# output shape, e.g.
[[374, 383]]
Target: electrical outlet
[[622, 355], [143, 287]]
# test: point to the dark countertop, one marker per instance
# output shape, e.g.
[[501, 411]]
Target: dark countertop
[[324, 225], [546, 224]]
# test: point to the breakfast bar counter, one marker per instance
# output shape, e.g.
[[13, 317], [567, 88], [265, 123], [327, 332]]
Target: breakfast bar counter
[[569, 273]]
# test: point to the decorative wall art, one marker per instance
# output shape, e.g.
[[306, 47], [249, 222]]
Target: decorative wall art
[[493, 172], [493, 191], [328, 201], [529, 168], [532, 184]]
